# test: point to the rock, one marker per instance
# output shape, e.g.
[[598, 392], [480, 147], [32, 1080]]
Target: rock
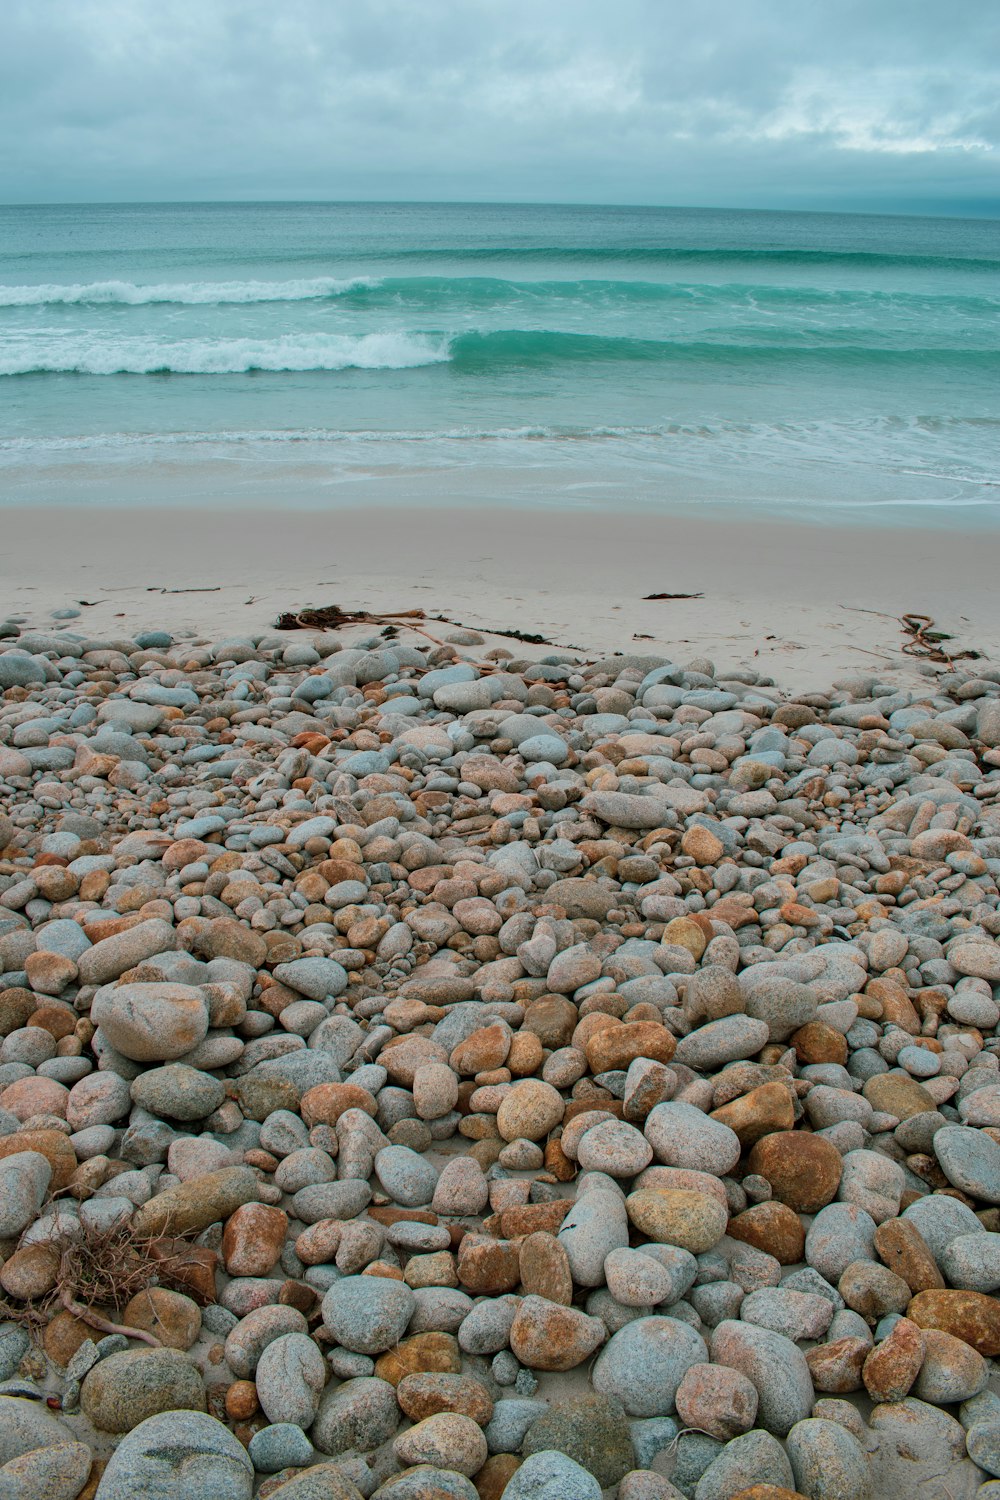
[[290, 1377], [547, 1336], [193, 1205], [26, 1426], [24, 1182], [774, 1365], [719, 1042], [717, 1400], [56, 1473], [447, 1440], [772, 1227], [970, 1316], [544, 1268], [150, 1022], [644, 1363], [122, 1391], [918, 1449], [359, 1414], [422, 1394], [592, 1430], [897, 1094], [694, 1221], [904, 1250], [253, 1239], [247, 1341], [971, 1262], [529, 1111], [551, 1476], [169, 1316], [893, 1365], [681, 1136], [828, 1462], [970, 1160], [367, 1314], [951, 1370], [282, 1445], [178, 1455], [804, 1170], [753, 1455], [758, 1113], [427, 1352], [107, 959], [595, 1225]]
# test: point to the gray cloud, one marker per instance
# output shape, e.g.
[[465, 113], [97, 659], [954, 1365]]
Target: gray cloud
[[868, 103]]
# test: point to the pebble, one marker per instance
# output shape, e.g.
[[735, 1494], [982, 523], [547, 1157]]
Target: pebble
[[408, 982], [178, 1454]]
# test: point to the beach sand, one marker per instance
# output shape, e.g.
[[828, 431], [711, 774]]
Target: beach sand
[[805, 603]]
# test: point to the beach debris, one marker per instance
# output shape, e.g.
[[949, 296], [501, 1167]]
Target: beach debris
[[925, 641], [673, 596]]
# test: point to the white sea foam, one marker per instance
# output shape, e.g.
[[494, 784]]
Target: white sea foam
[[86, 355], [192, 293]]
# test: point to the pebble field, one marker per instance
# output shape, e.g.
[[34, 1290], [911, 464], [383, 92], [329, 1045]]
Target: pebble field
[[429, 1073]]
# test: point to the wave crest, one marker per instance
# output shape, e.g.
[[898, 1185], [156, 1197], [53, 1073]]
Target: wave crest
[[190, 293]]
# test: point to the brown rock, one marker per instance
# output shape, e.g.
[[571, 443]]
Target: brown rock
[[545, 1268], [760, 1112], [530, 1218], [488, 1267], [187, 1268], [253, 1239], [773, 1227], [836, 1367], [818, 1043], [899, 1095], [36, 1095], [972, 1316], [482, 1051], [617, 1046], [769, 1492], [529, 1111], [423, 1353], [904, 1250], [894, 1364], [326, 1102], [241, 1401], [546, 1336], [57, 1020], [495, 1475], [701, 845], [526, 1055], [169, 1316], [804, 1170], [30, 1272], [64, 1335], [422, 1395], [16, 1005], [552, 1019], [717, 1400], [193, 1205], [873, 1290]]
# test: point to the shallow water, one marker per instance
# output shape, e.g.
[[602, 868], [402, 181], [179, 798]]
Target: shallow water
[[838, 366]]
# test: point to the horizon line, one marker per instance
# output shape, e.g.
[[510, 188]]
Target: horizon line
[[989, 211]]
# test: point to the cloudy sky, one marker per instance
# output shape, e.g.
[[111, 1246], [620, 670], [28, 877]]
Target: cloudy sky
[[869, 104]]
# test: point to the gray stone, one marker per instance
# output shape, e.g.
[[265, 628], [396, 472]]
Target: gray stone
[[367, 1314], [644, 1363], [828, 1461], [775, 1365], [27, 1425], [360, 1414], [177, 1092], [178, 1455], [283, 1445], [972, 1262], [970, 1160], [125, 1389], [752, 1458], [683, 1136], [590, 1429], [724, 1041], [595, 1225], [551, 1476], [406, 1176], [290, 1377], [24, 1181]]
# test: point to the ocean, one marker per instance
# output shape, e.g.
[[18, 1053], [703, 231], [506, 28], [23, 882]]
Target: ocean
[[839, 367]]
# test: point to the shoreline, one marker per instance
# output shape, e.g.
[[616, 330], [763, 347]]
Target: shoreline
[[801, 602]]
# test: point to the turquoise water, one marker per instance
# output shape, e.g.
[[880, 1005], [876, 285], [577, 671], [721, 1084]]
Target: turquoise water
[[843, 366]]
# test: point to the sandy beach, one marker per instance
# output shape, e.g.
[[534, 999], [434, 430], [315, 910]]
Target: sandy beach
[[805, 604]]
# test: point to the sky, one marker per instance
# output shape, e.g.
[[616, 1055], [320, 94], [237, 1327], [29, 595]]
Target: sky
[[875, 105]]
